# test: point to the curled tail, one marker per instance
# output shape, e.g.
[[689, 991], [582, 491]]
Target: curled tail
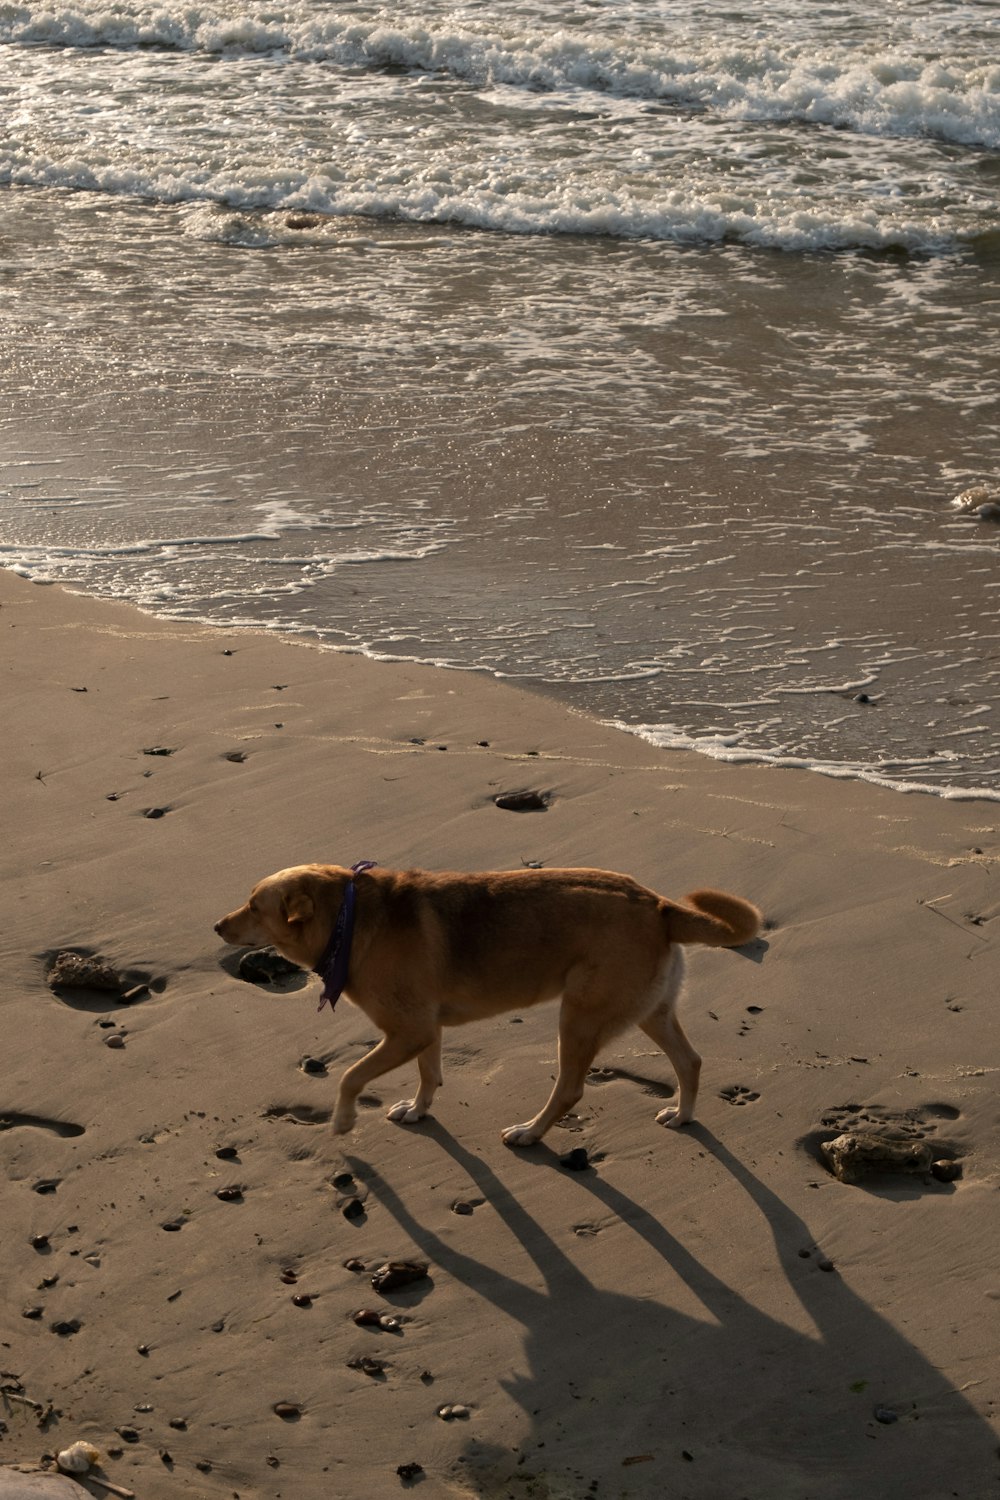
[[711, 918]]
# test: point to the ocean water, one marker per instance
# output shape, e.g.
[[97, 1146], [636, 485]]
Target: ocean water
[[635, 352]]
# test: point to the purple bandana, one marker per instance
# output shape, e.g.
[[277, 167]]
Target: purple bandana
[[336, 957]]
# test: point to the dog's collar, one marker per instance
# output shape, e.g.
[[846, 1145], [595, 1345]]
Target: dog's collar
[[336, 956]]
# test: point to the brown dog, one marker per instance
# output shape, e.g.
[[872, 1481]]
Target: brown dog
[[433, 950]]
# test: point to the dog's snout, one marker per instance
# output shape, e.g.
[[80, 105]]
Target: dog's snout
[[218, 928]]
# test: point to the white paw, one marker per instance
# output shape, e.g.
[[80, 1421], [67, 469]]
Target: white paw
[[519, 1135], [405, 1112], [671, 1118]]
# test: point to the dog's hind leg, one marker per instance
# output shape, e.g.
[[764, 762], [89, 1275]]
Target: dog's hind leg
[[409, 1111], [391, 1052], [663, 1027], [666, 1031], [578, 1046]]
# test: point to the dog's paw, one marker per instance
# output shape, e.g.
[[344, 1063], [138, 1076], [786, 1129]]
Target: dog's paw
[[405, 1112], [519, 1135], [672, 1119], [344, 1122]]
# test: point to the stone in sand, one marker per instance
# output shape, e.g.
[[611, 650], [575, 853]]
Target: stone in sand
[[75, 971], [852, 1157], [525, 801], [367, 1317], [398, 1273], [265, 966]]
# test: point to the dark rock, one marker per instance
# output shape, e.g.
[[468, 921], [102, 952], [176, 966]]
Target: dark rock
[[576, 1160], [343, 1181], [39, 1242], [179, 1423], [946, 1171], [409, 1472], [312, 1065], [227, 1153], [233, 1194], [156, 812], [372, 1367], [886, 1415], [526, 801], [367, 1317], [354, 1265], [288, 1411], [302, 1299], [396, 1273], [66, 1327], [33, 1312], [461, 1207], [353, 1209], [127, 1434], [158, 750], [265, 966]]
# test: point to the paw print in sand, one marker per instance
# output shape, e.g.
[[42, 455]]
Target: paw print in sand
[[738, 1093]]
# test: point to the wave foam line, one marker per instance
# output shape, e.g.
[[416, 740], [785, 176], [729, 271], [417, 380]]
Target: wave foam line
[[728, 748], [892, 95], [675, 216]]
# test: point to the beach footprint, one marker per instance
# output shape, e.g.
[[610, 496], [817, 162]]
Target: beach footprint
[[654, 1086], [738, 1093], [14, 1120]]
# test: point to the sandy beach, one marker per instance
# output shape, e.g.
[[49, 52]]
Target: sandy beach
[[701, 1314]]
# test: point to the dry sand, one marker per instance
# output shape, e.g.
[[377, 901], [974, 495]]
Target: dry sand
[[705, 1313]]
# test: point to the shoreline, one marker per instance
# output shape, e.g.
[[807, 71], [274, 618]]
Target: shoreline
[[723, 1252], [722, 747]]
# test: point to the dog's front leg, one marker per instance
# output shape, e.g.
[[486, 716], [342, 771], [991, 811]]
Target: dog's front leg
[[409, 1111], [391, 1052]]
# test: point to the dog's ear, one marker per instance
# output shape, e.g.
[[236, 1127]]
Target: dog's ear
[[297, 905]]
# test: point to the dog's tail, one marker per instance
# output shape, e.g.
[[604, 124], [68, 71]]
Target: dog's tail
[[711, 918]]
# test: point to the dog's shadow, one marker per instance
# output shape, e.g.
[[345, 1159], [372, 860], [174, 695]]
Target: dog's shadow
[[613, 1379]]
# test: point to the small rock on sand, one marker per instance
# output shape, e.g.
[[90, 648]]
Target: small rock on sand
[[398, 1273], [77, 971], [524, 801], [265, 966], [852, 1157]]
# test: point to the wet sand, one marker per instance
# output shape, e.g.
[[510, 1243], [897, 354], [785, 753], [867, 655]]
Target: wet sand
[[701, 1313]]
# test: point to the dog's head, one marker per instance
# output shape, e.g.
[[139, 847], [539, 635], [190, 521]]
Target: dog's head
[[292, 910]]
